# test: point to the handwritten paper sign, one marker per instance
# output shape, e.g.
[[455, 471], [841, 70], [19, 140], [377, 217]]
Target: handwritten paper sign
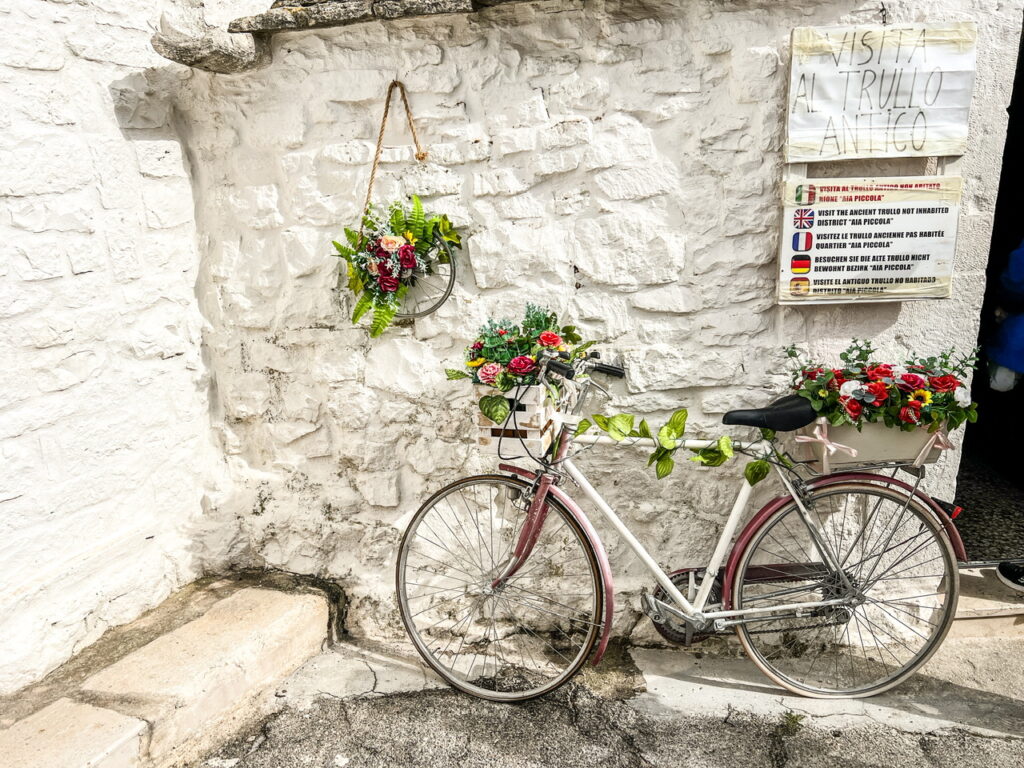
[[868, 239], [863, 92]]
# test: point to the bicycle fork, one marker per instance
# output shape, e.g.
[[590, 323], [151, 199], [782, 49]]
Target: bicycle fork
[[536, 516]]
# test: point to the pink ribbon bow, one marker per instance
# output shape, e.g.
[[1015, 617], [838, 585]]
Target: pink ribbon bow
[[820, 436]]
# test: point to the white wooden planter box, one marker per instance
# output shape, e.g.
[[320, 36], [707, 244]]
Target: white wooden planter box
[[530, 427], [874, 444]]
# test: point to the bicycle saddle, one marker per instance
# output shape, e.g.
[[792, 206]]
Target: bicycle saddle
[[784, 415]]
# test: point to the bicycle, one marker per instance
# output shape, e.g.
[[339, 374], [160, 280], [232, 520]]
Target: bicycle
[[842, 586]]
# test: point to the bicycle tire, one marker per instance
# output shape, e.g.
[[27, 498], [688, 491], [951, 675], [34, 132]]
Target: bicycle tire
[[889, 619], [444, 287], [509, 682]]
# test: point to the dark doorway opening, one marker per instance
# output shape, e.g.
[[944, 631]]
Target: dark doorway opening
[[990, 485]]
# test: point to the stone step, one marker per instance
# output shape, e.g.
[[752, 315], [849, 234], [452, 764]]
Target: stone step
[[987, 607], [176, 696]]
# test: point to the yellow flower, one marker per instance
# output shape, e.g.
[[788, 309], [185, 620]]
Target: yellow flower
[[476, 363], [410, 238], [562, 348], [822, 393], [923, 395]]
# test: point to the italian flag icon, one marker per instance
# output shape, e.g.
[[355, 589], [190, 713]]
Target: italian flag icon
[[806, 194], [803, 241]]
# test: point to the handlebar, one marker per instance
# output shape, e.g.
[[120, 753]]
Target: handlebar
[[610, 370], [567, 371]]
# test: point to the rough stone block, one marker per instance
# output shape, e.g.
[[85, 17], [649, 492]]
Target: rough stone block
[[637, 183], [185, 682], [31, 45], [72, 735]]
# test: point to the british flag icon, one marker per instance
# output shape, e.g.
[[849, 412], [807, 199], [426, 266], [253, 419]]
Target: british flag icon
[[802, 241], [803, 218]]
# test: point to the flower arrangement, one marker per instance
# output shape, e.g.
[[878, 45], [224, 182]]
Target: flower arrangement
[[504, 354], [385, 256], [927, 392]]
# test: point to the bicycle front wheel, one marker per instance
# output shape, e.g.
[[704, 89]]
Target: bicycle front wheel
[[862, 620], [510, 642]]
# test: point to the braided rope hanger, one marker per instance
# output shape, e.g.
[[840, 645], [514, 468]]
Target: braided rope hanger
[[421, 154]]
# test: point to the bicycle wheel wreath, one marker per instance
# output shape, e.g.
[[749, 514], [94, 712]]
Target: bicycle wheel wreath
[[400, 262]]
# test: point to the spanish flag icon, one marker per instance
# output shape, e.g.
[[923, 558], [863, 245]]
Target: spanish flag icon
[[799, 286], [806, 194], [800, 264]]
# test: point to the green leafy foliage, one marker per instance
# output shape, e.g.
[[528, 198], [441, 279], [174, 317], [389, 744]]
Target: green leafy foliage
[[495, 408], [378, 267], [383, 316], [582, 427], [454, 374], [756, 471], [921, 392], [363, 305], [715, 455]]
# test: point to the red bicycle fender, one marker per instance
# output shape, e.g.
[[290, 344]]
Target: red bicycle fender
[[595, 541], [779, 501]]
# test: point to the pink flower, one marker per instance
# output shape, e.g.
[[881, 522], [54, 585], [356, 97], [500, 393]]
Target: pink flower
[[391, 243], [522, 365], [549, 339], [489, 372]]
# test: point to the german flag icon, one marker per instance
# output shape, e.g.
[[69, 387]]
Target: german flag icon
[[799, 286], [800, 264]]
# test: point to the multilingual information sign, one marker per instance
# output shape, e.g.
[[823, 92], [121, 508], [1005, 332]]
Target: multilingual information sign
[[868, 239], [873, 91]]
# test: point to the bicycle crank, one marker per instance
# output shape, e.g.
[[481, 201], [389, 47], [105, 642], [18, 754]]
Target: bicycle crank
[[674, 628]]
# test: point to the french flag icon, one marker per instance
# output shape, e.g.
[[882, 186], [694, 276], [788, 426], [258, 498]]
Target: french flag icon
[[803, 241]]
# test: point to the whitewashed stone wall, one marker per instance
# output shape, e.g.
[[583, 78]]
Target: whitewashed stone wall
[[105, 452], [617, 161]]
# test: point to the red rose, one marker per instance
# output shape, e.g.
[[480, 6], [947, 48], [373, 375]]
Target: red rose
[[522, 365], [944, 383], [384, 268], [502, 332], [911, 412], [549, 339], [407, 257], [879, 390], [387, 283], [477, 345], [877, 372], [837, 379], [911, 381], [852, 407], [813, 373]]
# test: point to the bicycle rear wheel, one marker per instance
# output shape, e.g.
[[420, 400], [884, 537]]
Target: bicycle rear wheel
[[511, 642], [894, 592]]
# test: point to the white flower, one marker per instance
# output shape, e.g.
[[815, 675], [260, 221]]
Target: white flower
[[851, 389], [962, 396]]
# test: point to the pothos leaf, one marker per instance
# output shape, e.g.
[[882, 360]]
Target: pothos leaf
[[664, 467], [667, 437], [678, 421], [620, 425], [582, 427], [756, 471], [644, 429], [495, 408], [601, 421]]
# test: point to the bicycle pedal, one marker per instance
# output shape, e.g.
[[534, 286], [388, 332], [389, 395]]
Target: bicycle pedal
[[650, 608]]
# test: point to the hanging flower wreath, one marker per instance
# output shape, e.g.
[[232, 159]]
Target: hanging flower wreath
[[393, 249]]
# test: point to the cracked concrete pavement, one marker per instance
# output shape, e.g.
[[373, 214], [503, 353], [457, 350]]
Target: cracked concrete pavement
[[704, 706]]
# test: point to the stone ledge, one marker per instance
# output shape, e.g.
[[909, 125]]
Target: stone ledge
[[67, 734], [196, 682]]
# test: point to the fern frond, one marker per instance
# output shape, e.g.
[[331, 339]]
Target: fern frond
[[416, 222], [383, 315], [362, 306], [398, 225], [355, 283]]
